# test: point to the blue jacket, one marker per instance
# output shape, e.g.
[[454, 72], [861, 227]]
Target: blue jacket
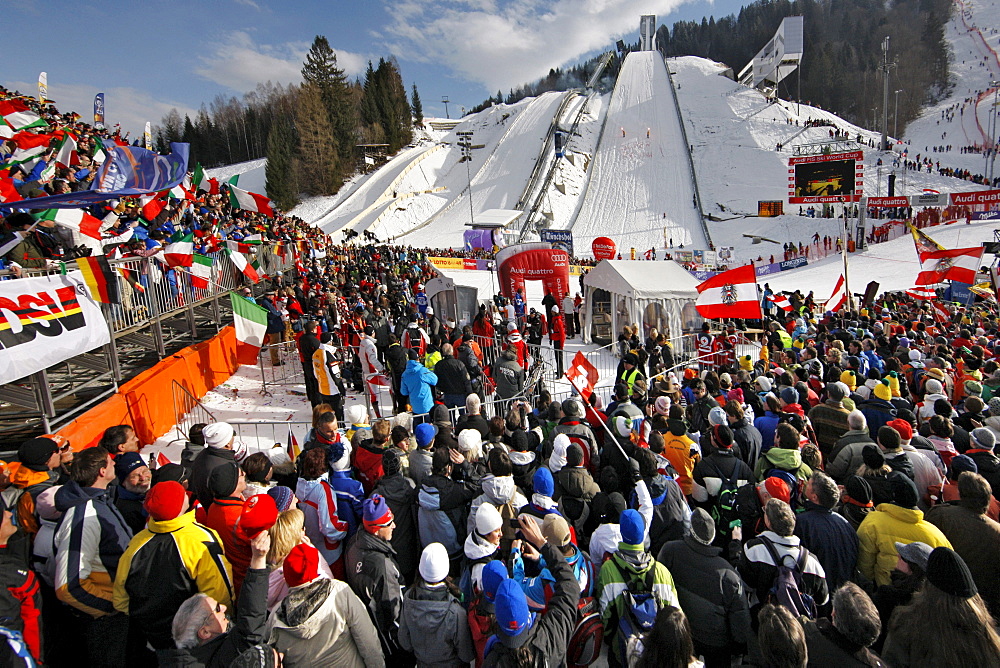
[[832, 539], [416, 384], [274, 323], [874, 361], [766, 424], [350, 494]]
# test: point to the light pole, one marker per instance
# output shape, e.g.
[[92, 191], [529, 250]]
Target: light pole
[[444, 98], [895, 116], [465, 143], [874, 116]]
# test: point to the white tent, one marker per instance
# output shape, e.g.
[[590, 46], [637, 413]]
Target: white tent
[[651, 293]]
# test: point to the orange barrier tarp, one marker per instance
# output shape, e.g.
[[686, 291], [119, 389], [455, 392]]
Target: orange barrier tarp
[[146, 401]]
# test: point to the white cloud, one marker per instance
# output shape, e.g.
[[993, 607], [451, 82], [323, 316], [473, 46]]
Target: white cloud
[[239, 63], [131, 107], [502, 44], [248, 3]]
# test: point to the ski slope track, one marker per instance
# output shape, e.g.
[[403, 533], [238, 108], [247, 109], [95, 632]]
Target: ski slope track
[[640, 192]]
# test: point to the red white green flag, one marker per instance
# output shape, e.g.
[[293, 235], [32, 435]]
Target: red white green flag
[[241, 263], [66, 154], [17, 115], [250, 323], [248, 201], [201, 271], [180, 251], [75, 219]]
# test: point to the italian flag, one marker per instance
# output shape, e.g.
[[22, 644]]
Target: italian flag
[[100, 155], [241, 263], [250, 322], [248, 201], [152, 205], [201, 181], [254, 239], [201, 271], [180, 251], [17, 115], [27, 156], [66, 155], [8, 193], [75, 219]]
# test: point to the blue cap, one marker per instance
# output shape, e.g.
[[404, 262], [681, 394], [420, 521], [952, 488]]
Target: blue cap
[[542, 482], [633, 527], [425, 433], [494, 573], [513, 616]]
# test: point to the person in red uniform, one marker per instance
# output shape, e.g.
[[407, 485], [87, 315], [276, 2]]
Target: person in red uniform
[[20, 597], [557, 334]]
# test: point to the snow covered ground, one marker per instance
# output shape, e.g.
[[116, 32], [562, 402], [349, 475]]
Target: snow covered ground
[[251, 174]]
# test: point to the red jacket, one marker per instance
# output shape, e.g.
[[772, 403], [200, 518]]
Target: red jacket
[[223, 515], [557, 329], [368, 462]]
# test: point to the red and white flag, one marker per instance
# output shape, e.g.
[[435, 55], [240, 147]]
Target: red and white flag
[[731, 294], [781, 301], [241, 263], [582, 374], [956, 264], [839, 296], [941, 314], [922, 292], [248, 201]]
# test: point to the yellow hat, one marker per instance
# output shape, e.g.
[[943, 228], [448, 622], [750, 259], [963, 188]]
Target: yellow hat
[[894, 386], [882, 390], [849, 379], [746, 363]]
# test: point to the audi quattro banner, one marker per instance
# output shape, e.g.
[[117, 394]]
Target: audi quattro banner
[[45, 321], [533, 262]]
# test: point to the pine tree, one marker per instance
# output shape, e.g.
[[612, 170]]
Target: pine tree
[[281, 183], [319, 169], [417, 108], [321, 70]]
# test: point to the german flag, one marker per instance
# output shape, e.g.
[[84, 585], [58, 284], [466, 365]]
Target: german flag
[[100, 279]]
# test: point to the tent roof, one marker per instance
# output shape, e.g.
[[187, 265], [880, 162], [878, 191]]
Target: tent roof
[[643, 280]]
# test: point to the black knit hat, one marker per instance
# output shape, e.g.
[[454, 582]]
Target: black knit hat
[[859, 490], [873, 457], [574, 455], [947, 571], [904, 492], [390, 462], [223, 480], [34, 453]]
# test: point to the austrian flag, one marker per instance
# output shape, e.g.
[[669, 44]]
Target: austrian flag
[[957, 264], [731, 294], [781, 301]]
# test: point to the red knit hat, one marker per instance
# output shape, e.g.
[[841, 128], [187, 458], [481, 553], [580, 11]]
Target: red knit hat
[[165, 500], [301, 565], [904, 428], [259, 513], [778, 489]]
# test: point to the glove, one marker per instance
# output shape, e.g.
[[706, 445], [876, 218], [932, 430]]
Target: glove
[[633, 466]]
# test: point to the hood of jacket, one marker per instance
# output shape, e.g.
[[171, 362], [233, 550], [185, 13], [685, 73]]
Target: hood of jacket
[[633, 557], [907, 515], [23, 477], [297, 612], [429, 605], [657, 486], [476, 547], [414, 366], [499, 490], [429, 497], [71, 494], [787, 460], [525, 458], [574, 481]]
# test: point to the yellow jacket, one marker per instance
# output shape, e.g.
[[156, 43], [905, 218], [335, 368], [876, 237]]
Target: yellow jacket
[[882, 529], [677, 449]]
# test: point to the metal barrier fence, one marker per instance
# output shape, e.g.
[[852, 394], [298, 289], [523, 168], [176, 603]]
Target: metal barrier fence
[[280, 364], [188, 411]]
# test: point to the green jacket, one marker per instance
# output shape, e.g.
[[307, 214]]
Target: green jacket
[[786, 460], [629, 565]]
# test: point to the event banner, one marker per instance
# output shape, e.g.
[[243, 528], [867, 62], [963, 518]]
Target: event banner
[[561, 239], [533, 262], [45, 321], [99, 111]]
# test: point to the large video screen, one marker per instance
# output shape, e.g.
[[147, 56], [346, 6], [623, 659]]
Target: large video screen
[[825, 178]]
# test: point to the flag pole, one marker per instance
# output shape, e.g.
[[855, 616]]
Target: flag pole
[[843, 253]]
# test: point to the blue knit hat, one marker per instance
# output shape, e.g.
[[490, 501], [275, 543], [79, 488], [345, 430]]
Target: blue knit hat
[[126, 463], [282, 497], [494, 573], [633, 527], [513, 616], [376, 513], [425, 433], [542, 482]]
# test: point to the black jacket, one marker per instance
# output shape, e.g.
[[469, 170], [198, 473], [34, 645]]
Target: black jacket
[[828, 647], [477, 422], [201, 470], [551, 632], [710, 592], [396, 359], [247, 629], [453, 378], [20, 597], [401, 495], [509, 377], [308, 344], [748, 441], [989, 468], [371, 570]]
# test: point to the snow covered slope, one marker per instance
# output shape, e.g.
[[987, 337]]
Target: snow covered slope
[[251, 174], [640, 190]]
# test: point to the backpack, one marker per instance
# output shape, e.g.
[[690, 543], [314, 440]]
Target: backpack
[[639, 612], [577, 512], [724, 509], [588, 634], [787, 587], [791, 480]]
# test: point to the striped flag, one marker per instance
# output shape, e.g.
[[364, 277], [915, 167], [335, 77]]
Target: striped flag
[[8, 193], [941, 314], [180, 251], [17, 115], [201, 271], [66, 154], [839, 296], [241, 263], [293, 445], [75, 219], [922, 292], [161, 459], [248, 201], [250, 322], [152, 206], [731, 294], [956, 264], [100, 279], [781, 301]]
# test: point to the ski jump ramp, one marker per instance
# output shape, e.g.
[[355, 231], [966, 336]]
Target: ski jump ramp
[[640, 192]]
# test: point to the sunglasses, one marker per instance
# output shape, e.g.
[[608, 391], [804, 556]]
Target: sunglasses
[[64, 448]]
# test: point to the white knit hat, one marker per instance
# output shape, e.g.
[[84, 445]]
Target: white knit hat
[[344, 462], [470, 440], [218, 434], [434, 563], [487, 519], [356, 414]]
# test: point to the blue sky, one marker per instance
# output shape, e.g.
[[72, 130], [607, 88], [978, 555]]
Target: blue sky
[[150, 56]]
